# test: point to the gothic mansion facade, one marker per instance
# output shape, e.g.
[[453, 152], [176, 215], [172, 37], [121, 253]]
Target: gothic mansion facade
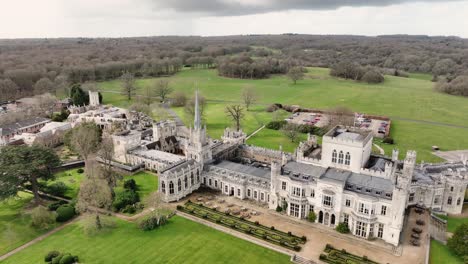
[[341, 181]]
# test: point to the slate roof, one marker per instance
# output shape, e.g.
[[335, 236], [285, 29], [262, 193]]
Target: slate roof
[[245, 169], [13, 127], [302, 171]]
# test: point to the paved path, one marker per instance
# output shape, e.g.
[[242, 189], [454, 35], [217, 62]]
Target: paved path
[[382, 151], [38, 239], [255, 132]]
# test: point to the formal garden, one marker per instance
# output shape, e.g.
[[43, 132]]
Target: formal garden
[[336, 256], [255, 229]]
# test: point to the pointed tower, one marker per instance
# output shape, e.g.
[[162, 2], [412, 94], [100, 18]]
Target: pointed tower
[[198, 147]]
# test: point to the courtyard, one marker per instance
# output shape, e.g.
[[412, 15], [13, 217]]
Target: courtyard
[[318, 235]]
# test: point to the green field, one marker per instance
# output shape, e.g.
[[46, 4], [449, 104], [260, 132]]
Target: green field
[[15, 223], [441, 254], [453, 222], [72, 179], [180, 241], [146, 182], [398, 98]]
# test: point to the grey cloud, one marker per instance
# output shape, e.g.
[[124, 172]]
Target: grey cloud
[[236, 8]]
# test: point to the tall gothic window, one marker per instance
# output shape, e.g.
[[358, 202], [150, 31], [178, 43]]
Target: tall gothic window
[[340, 158], [458, 201], [171, 187], [347, 159], [191, 178], [198, 176], [163, 187], [334, 156], [179, 185], [185, 182], [449, 201]]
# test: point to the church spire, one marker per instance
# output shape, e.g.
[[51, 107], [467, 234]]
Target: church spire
[[197, 120]]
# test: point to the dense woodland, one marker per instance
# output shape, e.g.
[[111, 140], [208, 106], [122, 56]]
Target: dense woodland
[[33, 66]]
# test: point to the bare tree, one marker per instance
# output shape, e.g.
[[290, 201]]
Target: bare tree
[[291, 131], [106, 152], [85, 139], [155, 201], [162, 89], [94, 194], [128, 85], [147, 97], [45, 103], [179, 99], [190, 107], [44, 85], [341, 115], [236, 113], [249, 96], [295, 74]]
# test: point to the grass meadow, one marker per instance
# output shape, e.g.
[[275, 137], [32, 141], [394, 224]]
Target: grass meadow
[[402, 99]]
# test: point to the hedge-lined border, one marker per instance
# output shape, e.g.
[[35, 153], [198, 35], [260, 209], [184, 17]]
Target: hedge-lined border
[[335, 256], [269, 234]]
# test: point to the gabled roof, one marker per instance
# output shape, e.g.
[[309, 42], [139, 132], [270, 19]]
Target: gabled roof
[[13, 127]]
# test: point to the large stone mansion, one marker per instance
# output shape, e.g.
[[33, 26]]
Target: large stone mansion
[[340, 180]]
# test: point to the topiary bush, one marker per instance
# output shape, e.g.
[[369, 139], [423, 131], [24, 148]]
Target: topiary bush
[[80, 170], [56, 188], [342, 228], [55, 205], [279, 208], [122, 199], [57, 259], [67, 259], [130, 184], [311, 217], [65, 212], [52, 254]]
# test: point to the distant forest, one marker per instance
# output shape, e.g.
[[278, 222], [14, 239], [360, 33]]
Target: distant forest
[[34, 66]]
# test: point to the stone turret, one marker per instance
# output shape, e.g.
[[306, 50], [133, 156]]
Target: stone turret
[[395, 154], [409, 164], [93, 98]]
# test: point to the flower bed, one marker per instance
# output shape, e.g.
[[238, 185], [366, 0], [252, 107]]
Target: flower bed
[[335, 256], [269, 234]]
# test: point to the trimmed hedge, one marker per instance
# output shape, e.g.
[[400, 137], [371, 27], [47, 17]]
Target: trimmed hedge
[[335, 256], [271, 235], [65, 212]]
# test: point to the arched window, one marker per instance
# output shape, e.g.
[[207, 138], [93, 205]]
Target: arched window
[[191, 178], [198, 176], [179, 185], [334, 156], [171, 187], [163, 187], [449, 201], [185, 181], [340, 157], [458, 201], [347, 160]]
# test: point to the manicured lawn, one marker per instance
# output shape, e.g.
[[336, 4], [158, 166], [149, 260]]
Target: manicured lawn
[[72, 179], [441, 254], [147, 183], [15, 223], [269, 138], [411, 98], [180, 241]]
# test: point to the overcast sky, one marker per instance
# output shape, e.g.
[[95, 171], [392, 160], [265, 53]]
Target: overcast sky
[[126, 18]]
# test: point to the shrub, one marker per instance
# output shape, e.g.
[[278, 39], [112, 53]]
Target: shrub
[[122, 199], [458, 242], [373, 76], [272, 108], [57, 188], [347, 70], [272, 228], [65, 212], [323, 257], [388, 140], [179, 207], [52, 254], [311, 217], [329, 246], [364, 258], [257, 223], [304, 238], [80, 170], [297, 248], [42, 218], [152, 221], [130, 184], [342, 228], [279, 208], [179, 99], [57, 259], [276, 125], [129, 209], [67, 259], [289, 233], [55, 205]]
